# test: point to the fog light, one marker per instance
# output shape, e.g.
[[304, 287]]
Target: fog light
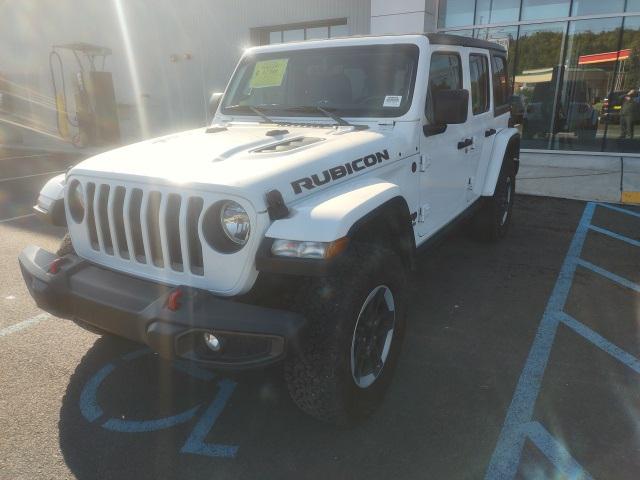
[[212, 342]]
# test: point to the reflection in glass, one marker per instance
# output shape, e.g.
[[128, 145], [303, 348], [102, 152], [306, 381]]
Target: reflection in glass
[[316, 33], [621, 107], [536, 79], [495, 11], [339, 31], [275, 37], [594, 7], [539, 9], [505, 36], [455, 13], [293, 35], [587, 77]]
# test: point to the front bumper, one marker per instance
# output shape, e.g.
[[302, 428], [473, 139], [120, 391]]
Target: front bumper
[[136, 309]]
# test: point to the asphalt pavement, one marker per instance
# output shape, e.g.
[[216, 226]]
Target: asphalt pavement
[[520, 361]]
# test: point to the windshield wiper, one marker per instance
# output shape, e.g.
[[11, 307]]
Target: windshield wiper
[[316, 108], [255, 110]]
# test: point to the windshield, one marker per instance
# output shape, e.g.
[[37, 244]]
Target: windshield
[[363, 81]]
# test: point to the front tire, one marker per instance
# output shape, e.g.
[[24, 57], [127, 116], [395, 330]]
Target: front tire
[[346, 360]]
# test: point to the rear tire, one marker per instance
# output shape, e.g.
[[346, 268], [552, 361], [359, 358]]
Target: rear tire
[[347, 356], [492, 222]]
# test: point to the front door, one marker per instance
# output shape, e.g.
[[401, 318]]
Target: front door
[[443, 169]]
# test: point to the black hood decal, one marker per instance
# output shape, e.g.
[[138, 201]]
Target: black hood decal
[[339, 171]]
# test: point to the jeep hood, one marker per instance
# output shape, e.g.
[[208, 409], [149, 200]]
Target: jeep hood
[[250, 159]]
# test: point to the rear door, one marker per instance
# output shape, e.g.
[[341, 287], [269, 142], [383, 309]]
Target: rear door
[[481, 125]]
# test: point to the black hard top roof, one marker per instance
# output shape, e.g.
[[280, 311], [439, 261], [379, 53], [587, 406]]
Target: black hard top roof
[[460, 41]]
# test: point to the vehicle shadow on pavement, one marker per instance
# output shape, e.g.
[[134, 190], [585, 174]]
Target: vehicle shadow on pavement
[[473, 312]]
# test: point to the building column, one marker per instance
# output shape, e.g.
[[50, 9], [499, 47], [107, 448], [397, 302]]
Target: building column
[[403, 16]]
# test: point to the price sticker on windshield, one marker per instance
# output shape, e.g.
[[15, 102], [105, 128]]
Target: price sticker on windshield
[[269, 73]]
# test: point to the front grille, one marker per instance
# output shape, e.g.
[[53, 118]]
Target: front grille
[[145, 226]]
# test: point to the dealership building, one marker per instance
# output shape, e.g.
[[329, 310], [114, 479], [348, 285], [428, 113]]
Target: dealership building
[[572, 63]]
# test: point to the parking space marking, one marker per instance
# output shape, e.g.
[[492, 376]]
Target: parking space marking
[[556, 452], [9, 179], [24, 156], [604, 344], [611, 276], [16, 327], [619, 209], [195, 443], [518, 423], [19, 217], [615, 235]]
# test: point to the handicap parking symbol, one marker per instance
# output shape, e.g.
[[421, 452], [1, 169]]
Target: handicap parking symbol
[[195, 444]]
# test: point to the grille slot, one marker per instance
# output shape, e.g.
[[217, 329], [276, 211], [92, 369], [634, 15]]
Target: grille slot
[[136, 226], [174, 235], [149, 227], [193, 239], [91, 221], [118, 222], [153, 224], [102, 218]]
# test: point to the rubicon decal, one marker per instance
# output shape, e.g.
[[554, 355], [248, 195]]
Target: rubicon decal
[[339, 171]]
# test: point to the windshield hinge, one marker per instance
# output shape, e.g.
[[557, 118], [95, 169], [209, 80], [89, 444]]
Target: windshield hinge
[[387, 125]]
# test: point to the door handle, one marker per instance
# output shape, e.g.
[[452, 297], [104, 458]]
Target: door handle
[[489, 132], [467, 142]]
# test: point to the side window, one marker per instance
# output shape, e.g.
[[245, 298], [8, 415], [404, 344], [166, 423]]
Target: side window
[[479, 73], [445, 73], [500, 85]]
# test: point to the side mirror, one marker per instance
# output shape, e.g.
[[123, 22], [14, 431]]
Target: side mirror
[[214, 102], [450, 106]]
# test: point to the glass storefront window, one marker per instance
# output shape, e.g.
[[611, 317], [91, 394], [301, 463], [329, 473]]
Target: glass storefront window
[[293, 35], [621, 113], [338, 31], [316, 33], [595, 7], [536, 80], [455, 13], [541, 9], [497, 11], [505, 36], [588, 74], [633, 6]]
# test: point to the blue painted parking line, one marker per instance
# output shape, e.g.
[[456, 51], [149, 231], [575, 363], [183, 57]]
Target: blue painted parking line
[[620, 209], [615, 235], [195, 444], [611, 276], [613, 350], [506, 457], [555, 452], [519, 423]]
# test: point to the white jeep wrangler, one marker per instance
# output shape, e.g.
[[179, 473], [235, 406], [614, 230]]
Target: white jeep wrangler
[[285, 230]]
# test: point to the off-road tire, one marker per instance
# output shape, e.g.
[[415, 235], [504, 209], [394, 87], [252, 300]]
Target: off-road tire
[[66, 247], [489, 223], [319, 375]]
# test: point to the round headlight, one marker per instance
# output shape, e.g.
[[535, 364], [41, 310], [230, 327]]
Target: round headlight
[[235, 222], [76, 201]]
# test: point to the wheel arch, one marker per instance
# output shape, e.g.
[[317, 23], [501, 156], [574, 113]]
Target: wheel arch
[[389, 225], [506, 142]]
